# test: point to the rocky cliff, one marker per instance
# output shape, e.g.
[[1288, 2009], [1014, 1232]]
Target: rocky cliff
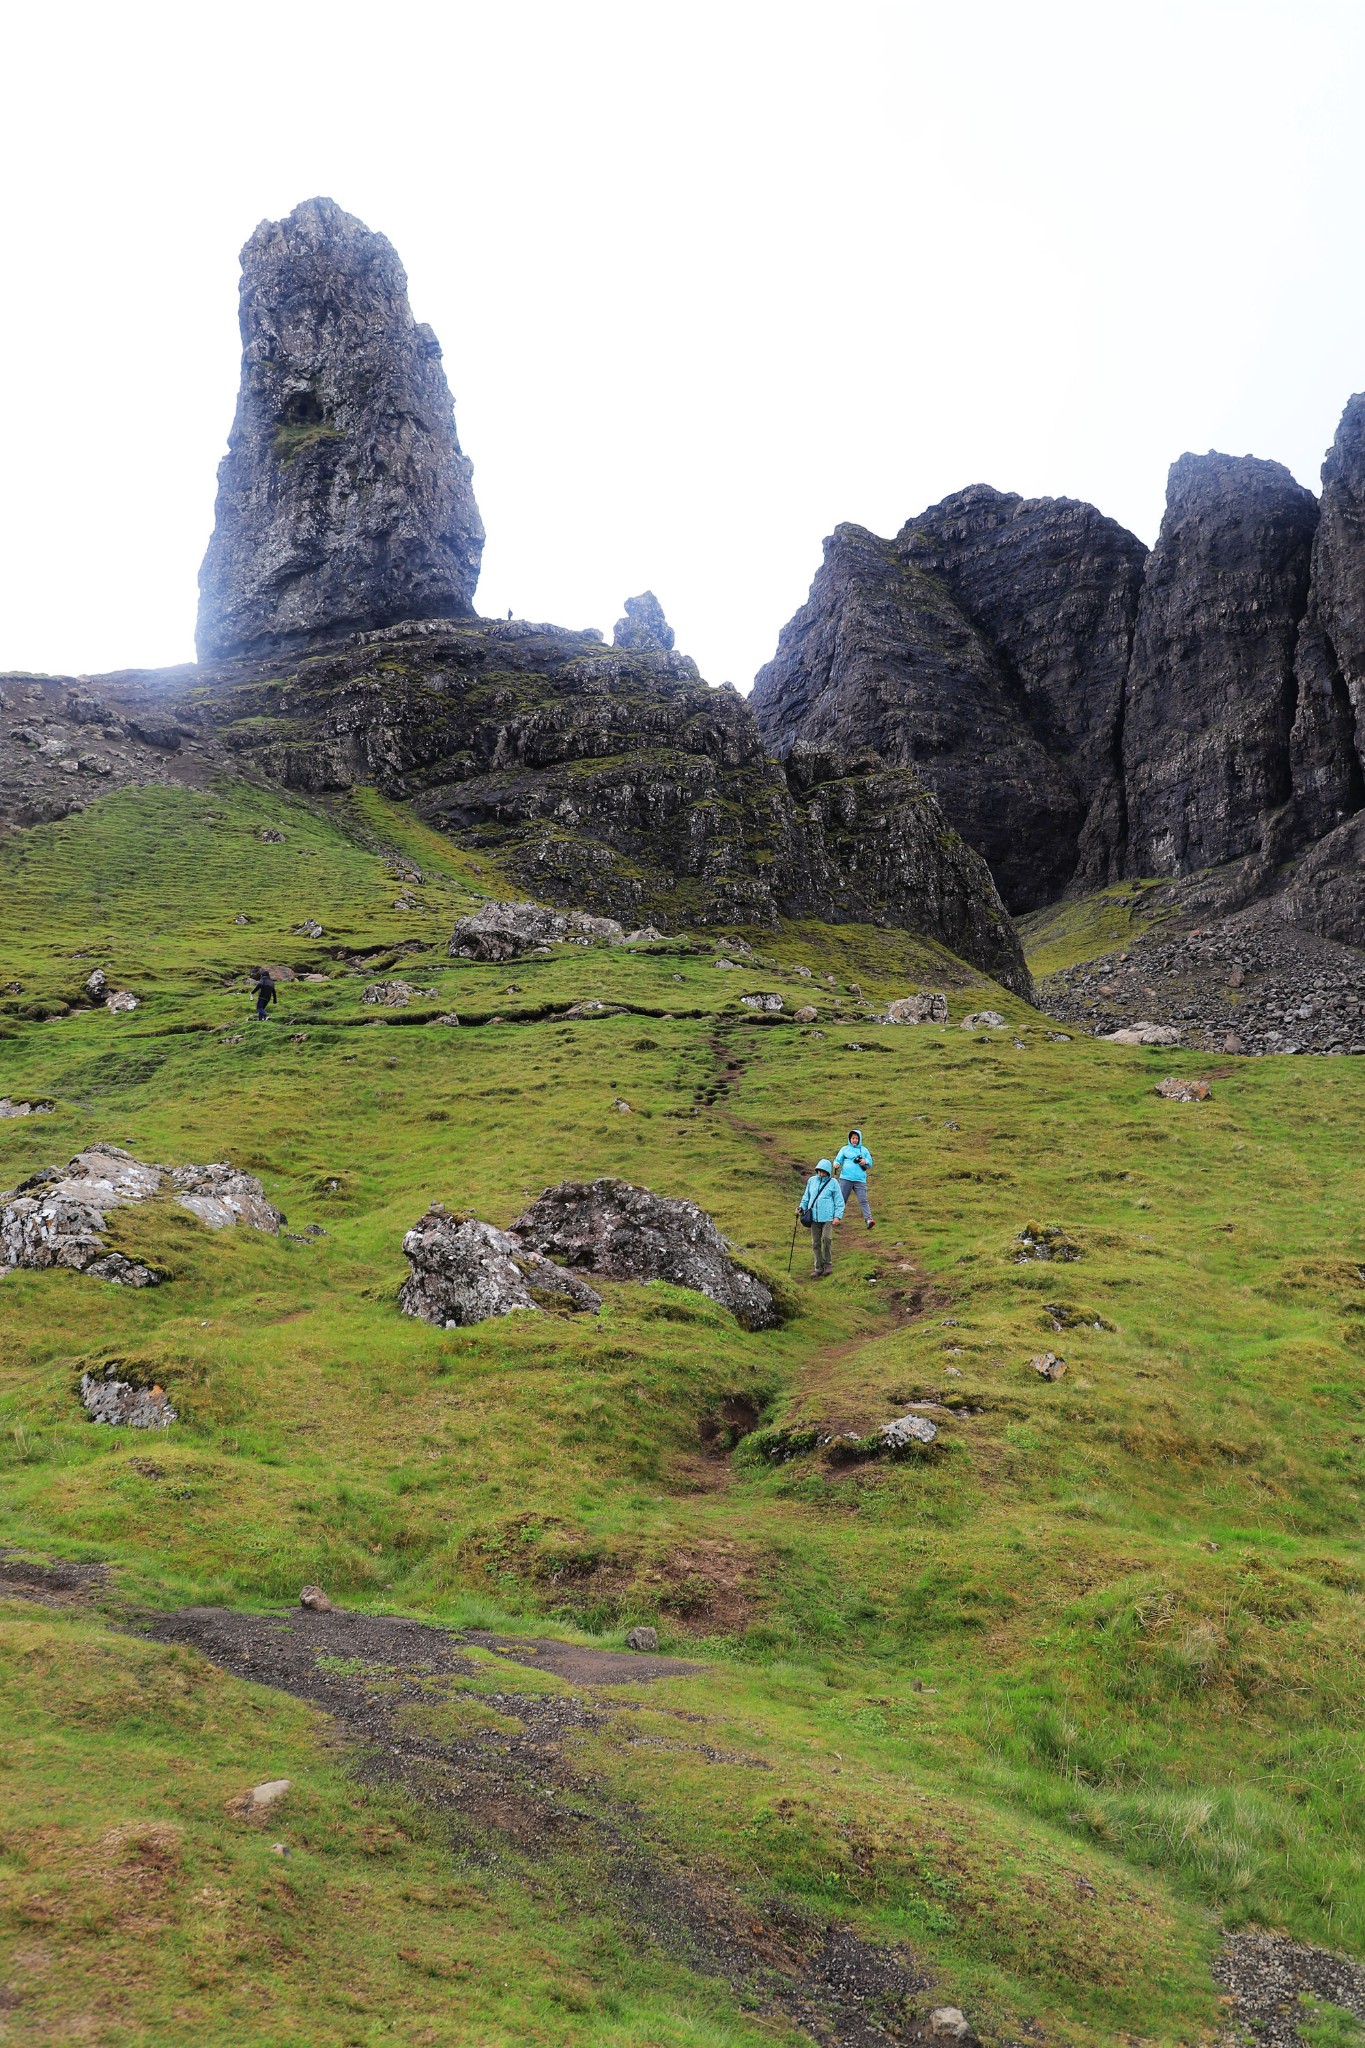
[[344, 500], [986, 646], [1084, 711], [613, 780]]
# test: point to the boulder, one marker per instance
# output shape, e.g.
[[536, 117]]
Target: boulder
[[119, 1403], [1048, 1366], [642, 1639], [628, 1233], [344, 500], [499, 931], [96, 985], [315, 1600], [983, 1020], [905, 1431], [946, 2023], [917, 1009], [762, 999], [392, 995], [1176, 1088], [10, 1108], [58, 1216], [464, 1271], [1143, 1034], [121, 1000], [807, 1014], [221, 1196]]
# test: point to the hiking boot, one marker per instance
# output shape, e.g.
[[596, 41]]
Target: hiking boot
[[871, 1223]]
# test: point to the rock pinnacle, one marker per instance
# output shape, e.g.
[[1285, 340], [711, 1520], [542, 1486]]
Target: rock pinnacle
[[344, 500]]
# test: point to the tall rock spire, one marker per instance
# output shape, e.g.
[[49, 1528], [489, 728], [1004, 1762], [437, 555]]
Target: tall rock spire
[[344, 500]]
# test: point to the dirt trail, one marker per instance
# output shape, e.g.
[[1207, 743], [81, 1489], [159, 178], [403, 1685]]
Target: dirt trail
[[515, 1798]]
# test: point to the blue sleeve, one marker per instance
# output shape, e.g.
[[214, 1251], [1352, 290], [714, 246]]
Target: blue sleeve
[[839, 1197], [867, 1157]]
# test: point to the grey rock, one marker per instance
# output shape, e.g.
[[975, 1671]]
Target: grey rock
[[1206, 736], [344, 500], [96, 985], [392, 995], [947, 2023], [918, 1009], [9, 1108], [119, 1403], [58, 1217], [464, 1271], [308, 928], [1328, 738], [642, 1639], [762, 999], [315, 1600], [644, 625], [1143, 1033], [982, 1020], [905, 1431], [621, 1232], [121, 1001], [500, 931]]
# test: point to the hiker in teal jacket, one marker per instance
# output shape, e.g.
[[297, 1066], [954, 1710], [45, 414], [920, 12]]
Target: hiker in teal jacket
[[851, 1162], [823, 1204]]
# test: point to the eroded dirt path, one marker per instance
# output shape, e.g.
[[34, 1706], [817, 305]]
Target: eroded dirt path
[[515, 1798]]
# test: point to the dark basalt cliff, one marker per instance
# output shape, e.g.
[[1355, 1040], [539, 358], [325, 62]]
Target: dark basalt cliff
[[612, 780], [1210, 694], [986, 646], [344, 500], [1085, 711]]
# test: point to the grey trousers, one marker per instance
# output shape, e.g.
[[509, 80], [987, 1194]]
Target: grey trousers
[[858, 1188], [822, 1246]]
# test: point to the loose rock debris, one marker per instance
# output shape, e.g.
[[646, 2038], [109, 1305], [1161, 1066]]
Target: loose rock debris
[[119, 1402], [1267, 1976], [1175, 1088]]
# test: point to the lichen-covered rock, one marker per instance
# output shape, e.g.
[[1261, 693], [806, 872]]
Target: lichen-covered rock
[[121, 1001], [1178, 1088], [983, 1020], [623, 1232], [464, 1271], [762, 999], [58, 1216], [906, 1430], [1143, 1033], [918, 1009], [500, 931], [344, 500], [221, 1196], [644, 625], [1044, 1241], [392, 995], [119, 1403]]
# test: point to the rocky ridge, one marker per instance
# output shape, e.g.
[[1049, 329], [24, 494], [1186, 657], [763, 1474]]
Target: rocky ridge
[[607, 781], [1085, 711]]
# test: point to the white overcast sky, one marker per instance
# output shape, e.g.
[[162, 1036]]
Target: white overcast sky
[[709, 278]]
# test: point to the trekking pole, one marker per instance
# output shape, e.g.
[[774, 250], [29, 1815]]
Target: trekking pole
[[792, 1253]]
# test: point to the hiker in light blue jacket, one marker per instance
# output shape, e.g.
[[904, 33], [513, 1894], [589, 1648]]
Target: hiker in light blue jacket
[[822, 1205], [851, 1162]]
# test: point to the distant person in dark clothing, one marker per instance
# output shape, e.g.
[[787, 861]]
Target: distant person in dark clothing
[[265, 991]]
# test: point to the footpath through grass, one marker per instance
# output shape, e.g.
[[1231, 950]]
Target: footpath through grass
[[1052, 1704]]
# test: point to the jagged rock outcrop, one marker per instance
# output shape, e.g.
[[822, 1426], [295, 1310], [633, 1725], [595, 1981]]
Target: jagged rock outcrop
[[1210, 697], [644, 625], [622, 1232], [985, 646], [344, 500], [501, 931]]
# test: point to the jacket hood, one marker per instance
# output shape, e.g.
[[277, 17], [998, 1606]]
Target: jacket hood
[[823, 1166], [856, 1136]]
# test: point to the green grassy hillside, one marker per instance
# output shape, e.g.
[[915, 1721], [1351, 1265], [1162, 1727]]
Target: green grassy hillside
[[1050, 1705]]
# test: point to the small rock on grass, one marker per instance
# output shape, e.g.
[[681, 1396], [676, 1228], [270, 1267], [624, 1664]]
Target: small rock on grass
[[260, 1798], [1176, 1088], [918, 1009], [907, 1430], [642, 1639], [313, 1598], [947, 2023], [121, 1000], [807, 1014], [983, 1020], [1048, 1366]]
